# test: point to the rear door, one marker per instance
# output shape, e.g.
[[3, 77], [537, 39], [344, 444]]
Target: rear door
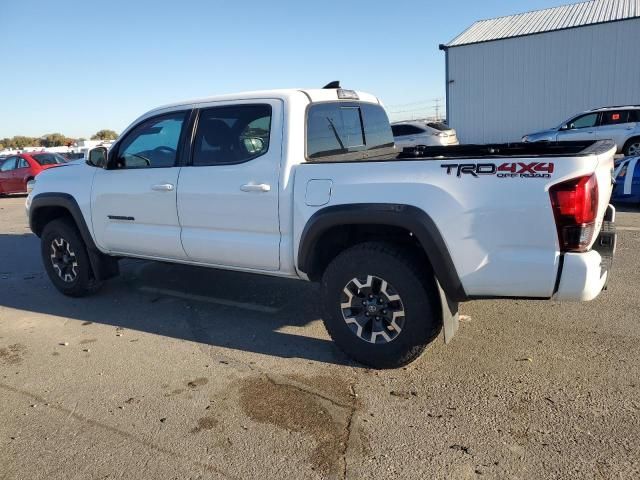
[[21, 174], [133, 202], [617, 125], [228, 195], [582, 127]]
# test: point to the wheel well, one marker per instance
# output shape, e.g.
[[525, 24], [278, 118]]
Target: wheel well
[[338, 238], [44, 215], [632, 139]]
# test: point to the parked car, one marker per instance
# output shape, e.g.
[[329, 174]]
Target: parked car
[[418, 132], [17, 171], [307, 184], [620, 124], [627, 178]]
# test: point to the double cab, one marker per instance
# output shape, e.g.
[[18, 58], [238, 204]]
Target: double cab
[[308, 184]]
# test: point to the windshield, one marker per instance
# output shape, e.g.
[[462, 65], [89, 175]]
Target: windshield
[[49, 158]]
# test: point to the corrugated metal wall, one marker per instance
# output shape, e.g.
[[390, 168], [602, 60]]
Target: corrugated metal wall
[[503, 89]]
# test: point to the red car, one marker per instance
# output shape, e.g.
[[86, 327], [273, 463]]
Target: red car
[[17, 170]]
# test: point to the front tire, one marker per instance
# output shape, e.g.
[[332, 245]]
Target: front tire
[[380, 304], [65, 259]]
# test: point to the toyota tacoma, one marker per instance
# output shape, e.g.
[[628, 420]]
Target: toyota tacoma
[[308, 184]]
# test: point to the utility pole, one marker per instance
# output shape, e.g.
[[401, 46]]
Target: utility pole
[[436, 106]]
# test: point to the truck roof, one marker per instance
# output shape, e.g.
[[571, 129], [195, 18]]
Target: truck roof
[[312, 95]]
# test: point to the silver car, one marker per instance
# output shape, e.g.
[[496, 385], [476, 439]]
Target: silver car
[[420, 132], [620, 124]]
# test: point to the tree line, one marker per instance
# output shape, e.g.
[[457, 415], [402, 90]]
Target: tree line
[[51, 140]]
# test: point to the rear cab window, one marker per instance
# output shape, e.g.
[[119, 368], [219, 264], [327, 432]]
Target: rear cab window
[[342, 131]]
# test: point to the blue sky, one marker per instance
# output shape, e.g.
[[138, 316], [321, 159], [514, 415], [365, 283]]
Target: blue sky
[[78, 66]]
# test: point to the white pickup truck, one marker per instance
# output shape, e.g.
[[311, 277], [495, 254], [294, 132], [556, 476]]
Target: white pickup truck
[[308, 184]]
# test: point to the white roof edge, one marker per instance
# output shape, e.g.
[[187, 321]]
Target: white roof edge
[[315, 94]]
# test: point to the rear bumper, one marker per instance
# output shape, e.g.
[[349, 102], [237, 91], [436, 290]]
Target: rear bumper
[[585, 275], [582, 277]]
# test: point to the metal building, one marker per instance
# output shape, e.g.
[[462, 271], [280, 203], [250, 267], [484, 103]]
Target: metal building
[[510, 76]]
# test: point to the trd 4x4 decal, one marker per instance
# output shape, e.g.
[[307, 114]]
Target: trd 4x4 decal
[[504, 170]]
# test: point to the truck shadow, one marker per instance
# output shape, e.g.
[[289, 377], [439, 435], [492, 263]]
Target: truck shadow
[[252, 313]]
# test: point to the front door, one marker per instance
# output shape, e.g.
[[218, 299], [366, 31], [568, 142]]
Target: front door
[[228, 195], [7, 175], [134, 200]]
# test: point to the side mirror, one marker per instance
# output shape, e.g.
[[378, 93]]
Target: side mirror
[[253, 144], [98, 157]]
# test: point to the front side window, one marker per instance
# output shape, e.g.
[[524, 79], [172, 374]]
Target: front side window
[[341, 128], [585, 121], [153, 143], [49, 159], [231, 134], [8, 165]]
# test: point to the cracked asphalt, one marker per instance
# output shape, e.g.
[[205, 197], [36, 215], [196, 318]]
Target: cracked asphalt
[[181, 372]]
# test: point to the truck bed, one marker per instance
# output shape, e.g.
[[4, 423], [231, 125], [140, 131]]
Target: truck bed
[[486, 151]]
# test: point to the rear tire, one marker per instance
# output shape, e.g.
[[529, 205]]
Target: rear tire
[[632, 147], [389, 314], [65, 259]]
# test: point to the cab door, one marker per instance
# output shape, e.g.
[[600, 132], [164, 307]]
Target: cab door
[[228, 194], [133, 201], [7, 175]]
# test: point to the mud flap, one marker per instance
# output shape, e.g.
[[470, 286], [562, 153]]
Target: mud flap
[[450, 316]]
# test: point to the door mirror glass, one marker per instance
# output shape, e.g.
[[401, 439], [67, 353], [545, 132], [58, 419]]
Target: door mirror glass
[[97, 157], [253, 145]]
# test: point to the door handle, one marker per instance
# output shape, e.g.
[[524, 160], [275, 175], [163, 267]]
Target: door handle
[[162, 187], [251, 187]]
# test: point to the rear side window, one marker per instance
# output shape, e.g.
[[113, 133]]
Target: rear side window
[[616, 116], [49, 159], [443, 127], [402, 130], [232, 134], [342, 128]]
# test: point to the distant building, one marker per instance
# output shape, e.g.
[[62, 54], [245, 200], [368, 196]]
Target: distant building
[[510, 76]]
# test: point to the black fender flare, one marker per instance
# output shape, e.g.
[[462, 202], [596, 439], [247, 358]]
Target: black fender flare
[[103, 266], [411, 218]]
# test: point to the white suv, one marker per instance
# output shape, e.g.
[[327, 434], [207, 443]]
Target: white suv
[[620, 124], [420, 132]]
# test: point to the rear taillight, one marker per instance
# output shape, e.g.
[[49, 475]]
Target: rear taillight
[[575, 207]]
